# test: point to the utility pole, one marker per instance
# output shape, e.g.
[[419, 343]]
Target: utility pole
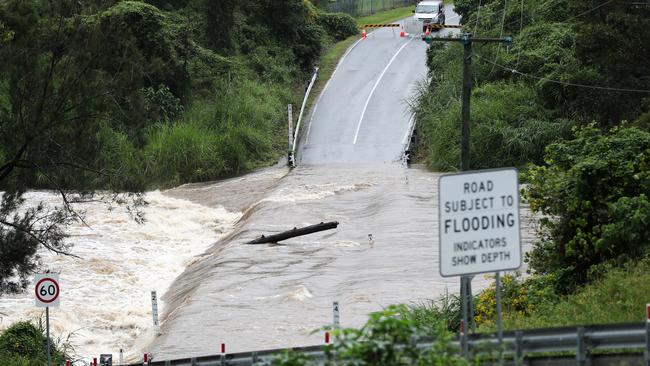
[[466, 39]]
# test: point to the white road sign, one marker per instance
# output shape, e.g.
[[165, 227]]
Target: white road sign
[[479, 222], [47, 290]]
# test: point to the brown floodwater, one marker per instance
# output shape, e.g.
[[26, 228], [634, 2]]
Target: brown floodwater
[[264, 296]]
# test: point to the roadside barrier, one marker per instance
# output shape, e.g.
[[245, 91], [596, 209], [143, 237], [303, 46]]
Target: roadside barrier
[[386, 25], [443, 26], [579, 341]]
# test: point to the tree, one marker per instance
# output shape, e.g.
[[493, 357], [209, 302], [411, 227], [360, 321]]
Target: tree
[[593, 195], [52, 103]]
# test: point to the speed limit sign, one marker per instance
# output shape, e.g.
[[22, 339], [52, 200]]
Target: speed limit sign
[[47, 290]]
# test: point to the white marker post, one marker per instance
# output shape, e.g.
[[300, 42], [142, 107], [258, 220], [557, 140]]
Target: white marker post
[[47, 295], [337, 317], [154, 312], [479, 225], [290, 150]]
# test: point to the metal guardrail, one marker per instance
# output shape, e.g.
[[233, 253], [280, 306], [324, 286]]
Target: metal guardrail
[[294, 145], [516, 345]]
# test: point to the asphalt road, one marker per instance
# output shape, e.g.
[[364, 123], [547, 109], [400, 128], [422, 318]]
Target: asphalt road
[[362, 115]]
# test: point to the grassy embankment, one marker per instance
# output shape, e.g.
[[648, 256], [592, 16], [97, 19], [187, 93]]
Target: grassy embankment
[[618, 297]]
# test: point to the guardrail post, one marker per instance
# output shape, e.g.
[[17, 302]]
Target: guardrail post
[[646, 353], [194, 362], [519, 348], [581, 351]]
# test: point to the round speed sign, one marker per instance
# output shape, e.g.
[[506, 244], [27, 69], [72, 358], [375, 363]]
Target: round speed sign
[[47, 290]]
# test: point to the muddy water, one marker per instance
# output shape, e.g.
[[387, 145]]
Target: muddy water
[[267, 296], [218, 289], [105, 293]]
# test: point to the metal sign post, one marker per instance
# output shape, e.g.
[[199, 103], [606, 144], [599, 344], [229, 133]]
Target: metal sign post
[[499, 324], [46, 293]]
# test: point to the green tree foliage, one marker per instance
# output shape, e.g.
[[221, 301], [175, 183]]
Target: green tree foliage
[[125, 95], [338, 25], [572, 63], [220, 21], [390, 337], [49, 118], [23, 343], [594, 195], [572, 41]]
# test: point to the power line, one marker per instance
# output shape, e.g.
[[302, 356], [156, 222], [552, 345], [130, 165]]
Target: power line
[[503, 20], [590, 10], [563, 82], [521, 27], [478, 14]]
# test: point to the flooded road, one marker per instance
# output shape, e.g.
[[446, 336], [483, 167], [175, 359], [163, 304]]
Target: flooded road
[[267, 296], [217, 289]]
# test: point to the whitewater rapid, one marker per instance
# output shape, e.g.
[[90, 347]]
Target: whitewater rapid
[[214, 288], [106, 293]]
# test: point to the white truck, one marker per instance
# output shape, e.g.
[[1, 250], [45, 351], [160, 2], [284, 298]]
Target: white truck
[[429, 12]]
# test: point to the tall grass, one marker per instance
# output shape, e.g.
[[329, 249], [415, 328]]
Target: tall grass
[[619, 296], [508, 127], [235, 131], [444, 310]]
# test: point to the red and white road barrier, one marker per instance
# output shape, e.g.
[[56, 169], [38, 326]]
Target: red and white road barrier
[[145, 359]]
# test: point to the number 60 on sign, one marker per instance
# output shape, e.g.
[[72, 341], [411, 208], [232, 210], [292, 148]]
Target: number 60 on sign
[[46, 290]]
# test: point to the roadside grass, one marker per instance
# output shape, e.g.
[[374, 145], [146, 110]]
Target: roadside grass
[[619, 296], [386, 16]]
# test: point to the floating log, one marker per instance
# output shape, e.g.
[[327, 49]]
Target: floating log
[[295, 232]]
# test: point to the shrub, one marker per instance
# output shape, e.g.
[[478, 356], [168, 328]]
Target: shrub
[[618, 296], [390, 337], [428, 314], [293, 358], [160, 105], [24, 343], [594, 195], [338, 25], [519, 298]]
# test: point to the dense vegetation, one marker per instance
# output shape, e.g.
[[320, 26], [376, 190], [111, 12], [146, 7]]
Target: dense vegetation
[[390, 337], [568, 103], [129, 95], [22, 345]]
